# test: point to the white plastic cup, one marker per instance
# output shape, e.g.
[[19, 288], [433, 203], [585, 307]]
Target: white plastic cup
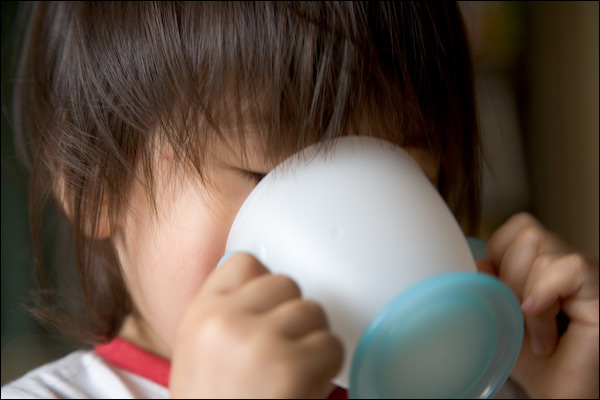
[[363, 232]]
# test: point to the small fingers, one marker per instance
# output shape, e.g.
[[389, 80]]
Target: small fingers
[[558, 278], [504, 236], [518, 258], [554, 282], [303, 367], [326, 353], [236, 271], [268, 291], [543, 330], [299, 317], [516, 245]]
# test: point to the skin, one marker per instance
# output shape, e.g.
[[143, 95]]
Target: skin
[[549, 277], [240, 331]]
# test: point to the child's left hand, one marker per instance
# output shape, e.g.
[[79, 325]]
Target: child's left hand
[[549, 278]]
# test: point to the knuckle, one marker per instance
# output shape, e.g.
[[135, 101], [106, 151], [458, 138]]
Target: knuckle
[[313, 306], [531, 235], [241, 267], [524, 218], [247, 262], [315, 310], [287, 284], [541, 262], [307, 310], [335, 345], [578, 263], [540, 286], [331, 346]]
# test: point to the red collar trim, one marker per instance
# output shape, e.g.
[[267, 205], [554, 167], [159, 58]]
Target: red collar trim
[[127, 356]]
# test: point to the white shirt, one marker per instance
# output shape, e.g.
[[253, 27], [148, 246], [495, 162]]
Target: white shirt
[[117, 369], [84, 375]]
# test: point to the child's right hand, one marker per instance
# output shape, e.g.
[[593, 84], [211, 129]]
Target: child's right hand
[[549, 278], [249, 334]]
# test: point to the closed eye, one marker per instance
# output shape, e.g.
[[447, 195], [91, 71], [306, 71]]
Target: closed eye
[[255, 176]]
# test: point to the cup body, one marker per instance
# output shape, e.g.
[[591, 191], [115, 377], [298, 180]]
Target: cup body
[[354, 226]]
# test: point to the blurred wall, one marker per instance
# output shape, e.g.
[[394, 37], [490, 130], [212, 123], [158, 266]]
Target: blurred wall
[[562, 120], [536, 71]]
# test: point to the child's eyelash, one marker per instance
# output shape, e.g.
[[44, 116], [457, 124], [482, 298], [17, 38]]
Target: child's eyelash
[[256, 176]]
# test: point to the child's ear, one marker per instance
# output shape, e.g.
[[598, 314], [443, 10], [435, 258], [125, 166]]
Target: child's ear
[[103, 229]]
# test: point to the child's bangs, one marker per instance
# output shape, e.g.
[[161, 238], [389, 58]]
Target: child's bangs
[[302, 77]]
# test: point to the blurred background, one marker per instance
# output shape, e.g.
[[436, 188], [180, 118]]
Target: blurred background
[[536, 67]]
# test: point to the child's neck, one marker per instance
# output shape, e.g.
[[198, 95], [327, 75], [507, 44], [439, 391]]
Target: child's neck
[[136, 331]]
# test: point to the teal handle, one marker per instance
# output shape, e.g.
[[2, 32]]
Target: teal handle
[[478, 247]]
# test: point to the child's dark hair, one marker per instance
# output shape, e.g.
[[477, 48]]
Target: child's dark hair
[[102, 84]]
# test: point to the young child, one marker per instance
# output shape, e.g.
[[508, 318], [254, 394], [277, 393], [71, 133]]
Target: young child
[[148, 124]]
